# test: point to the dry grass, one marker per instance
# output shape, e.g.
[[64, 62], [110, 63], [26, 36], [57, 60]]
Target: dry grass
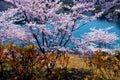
[[77, 62]]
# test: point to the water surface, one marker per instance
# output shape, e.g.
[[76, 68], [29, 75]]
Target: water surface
[[99, 24]]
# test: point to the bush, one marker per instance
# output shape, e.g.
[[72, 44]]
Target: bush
[[24, 62], [105, 66]]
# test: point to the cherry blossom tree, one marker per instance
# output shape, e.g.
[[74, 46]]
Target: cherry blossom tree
[[44, 23], [110, 7], [96, 38]]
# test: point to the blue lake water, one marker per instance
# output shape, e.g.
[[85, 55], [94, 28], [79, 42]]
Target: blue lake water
[[99, 24]]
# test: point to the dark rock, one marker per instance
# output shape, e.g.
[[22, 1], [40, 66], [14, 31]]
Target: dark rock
[[67, 1]]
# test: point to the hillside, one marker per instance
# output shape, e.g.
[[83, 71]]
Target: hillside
[[4, 5]]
